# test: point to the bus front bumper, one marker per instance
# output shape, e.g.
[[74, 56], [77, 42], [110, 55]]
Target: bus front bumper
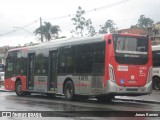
[[113, 88]]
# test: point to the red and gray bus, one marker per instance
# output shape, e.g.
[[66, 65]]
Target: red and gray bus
[[102, 66]]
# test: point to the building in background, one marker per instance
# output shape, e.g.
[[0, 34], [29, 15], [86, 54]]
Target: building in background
[[133, 31], [154, 32]]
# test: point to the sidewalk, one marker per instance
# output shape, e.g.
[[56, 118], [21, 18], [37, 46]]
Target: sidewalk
[[2, 89], [154, 97]]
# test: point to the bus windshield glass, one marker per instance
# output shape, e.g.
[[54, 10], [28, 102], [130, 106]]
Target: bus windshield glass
[[131, 50], [131, 45]]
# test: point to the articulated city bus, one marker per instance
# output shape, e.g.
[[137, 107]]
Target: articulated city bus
[[105, 66]]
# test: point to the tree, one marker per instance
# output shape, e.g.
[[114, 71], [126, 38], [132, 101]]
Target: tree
[[48, 31], [158, 22], [143, 22], [134, 26], [90, 28], [79, 21], [81, 24], [109, 26]]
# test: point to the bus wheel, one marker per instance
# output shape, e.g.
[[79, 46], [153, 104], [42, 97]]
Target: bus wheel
[[69, 91], [156, 83], [18, 89]]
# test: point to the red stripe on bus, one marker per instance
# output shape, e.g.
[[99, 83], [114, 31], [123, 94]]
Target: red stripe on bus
[[82, 85], [40, 82], [77, 84]]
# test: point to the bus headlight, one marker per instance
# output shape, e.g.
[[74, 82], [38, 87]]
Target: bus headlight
[[111, 73]]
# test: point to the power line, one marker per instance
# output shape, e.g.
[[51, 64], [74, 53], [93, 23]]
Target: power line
[[92, 10], [20, 28], [62, 17], [30, 24], [7, 33]]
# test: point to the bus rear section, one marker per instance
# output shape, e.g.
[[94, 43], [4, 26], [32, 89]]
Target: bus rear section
[[130, 65]]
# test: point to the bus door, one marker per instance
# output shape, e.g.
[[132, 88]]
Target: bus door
[[53, 56], [30, 73]]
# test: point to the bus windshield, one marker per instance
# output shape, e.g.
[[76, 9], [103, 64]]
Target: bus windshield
[[131, 45], [131, 50]]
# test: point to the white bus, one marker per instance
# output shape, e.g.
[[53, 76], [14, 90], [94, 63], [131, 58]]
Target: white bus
[[156, 67]]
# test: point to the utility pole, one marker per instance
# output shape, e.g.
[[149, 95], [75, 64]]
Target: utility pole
[[41, 29]]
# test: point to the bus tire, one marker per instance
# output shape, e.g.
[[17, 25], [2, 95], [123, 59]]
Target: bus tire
[[69, 91], [156, 83], [18, 89]]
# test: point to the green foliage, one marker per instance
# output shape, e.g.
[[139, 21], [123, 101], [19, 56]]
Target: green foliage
[[134, 26], [48, 31], [81, 23], [90, 28], [143, 22], [109, 26]]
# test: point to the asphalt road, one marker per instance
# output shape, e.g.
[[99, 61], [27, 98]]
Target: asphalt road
[[59, 108]]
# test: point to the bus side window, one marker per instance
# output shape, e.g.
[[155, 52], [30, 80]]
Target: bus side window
[[84, 58], [41, 64], [66, 61], [156, 58], [9, 66], [99, 53]]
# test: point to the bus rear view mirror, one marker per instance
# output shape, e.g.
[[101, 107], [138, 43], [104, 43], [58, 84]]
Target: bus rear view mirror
[[109, 41]]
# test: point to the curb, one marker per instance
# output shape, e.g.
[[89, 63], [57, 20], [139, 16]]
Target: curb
[[2, 89], [5, 90], [122, 99], [139, 100]]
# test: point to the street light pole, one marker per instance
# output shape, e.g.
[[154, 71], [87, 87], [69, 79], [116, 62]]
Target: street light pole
[[41, 29]]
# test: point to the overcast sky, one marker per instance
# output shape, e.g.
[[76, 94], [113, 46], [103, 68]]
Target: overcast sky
[[19, 13]]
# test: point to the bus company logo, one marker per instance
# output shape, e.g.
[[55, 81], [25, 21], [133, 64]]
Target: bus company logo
[[132, 81], [122, 68], [6, 114], [132, 77], [21, 114]]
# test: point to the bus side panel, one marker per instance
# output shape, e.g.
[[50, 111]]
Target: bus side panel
[[62, 79], [11, 82], [83, 85], [108, 54], [24, 83]]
